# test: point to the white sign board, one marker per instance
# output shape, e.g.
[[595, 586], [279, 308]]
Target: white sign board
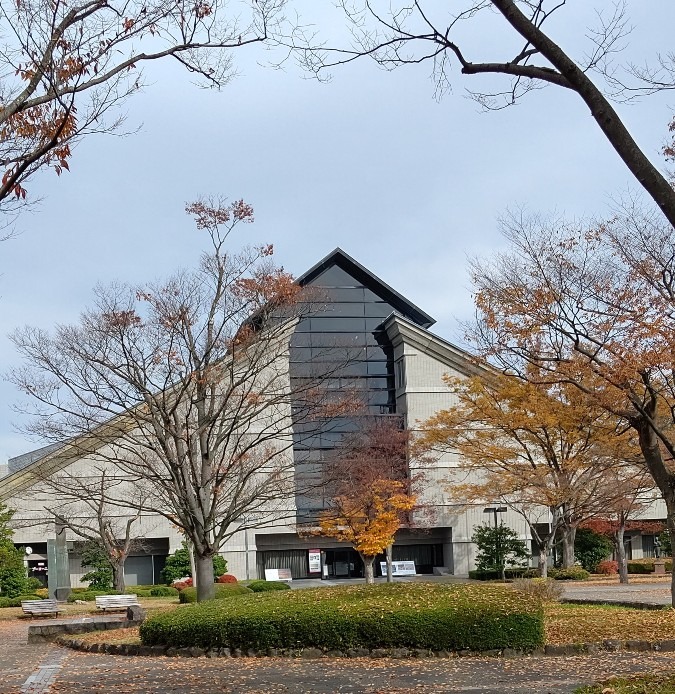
[[278, 575], [314, 561], [399, 568]]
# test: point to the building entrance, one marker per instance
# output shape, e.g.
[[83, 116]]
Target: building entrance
[[343, 563]]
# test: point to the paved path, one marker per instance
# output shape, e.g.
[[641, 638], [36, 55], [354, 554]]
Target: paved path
[[42, 669], [18, 660], [83, 672], [655, 593]]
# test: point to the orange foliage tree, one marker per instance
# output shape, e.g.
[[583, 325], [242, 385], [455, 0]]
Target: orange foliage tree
[[369, 489], [182, 387], [592, 305], [531, 447], [67, 67]]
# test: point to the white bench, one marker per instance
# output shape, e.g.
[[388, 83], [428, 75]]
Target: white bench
[[40, 608], [115, 602]]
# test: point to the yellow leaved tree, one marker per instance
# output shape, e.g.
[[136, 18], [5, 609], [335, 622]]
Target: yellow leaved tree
[[543, 450]]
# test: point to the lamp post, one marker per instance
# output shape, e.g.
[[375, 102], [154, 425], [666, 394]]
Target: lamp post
[[495, 510]]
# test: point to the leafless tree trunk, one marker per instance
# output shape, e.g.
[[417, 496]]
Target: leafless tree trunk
[[389, 551], [184, 387], [368, 570], [412, 32]]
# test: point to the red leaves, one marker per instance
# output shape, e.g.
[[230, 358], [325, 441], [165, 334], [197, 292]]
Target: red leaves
[[212, 216]]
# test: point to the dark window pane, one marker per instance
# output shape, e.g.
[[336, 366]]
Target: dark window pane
[[339, 324], [335, 277]]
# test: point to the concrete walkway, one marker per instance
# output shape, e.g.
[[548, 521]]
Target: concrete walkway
[[655, 593], [43, 668]]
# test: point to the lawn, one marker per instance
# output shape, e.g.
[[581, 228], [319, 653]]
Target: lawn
[[646, 684], [591, 623], [70, 609]]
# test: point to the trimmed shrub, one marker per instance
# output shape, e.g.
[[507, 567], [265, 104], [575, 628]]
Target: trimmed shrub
[[42, 593], [496, 574], [412, 615], [223, 591], [575, 573], [226, 578], [163, 591], [607, 568], [590, 548], [182, 584], [265, 586], [33, 584], [90, 595], [541, 589], [178, 565], [16, 602], [646, 566]]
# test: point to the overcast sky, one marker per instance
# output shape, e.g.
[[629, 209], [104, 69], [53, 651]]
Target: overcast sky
[[370, 162]]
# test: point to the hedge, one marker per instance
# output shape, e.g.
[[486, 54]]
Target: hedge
[[496, 574], [223, 591], [261, 586], [89, 595], [574, 573], [646, 566], [16, 602], [412, 615]]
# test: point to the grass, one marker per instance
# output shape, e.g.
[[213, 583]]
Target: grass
[[591, 623], [151, 605], [644, 684]]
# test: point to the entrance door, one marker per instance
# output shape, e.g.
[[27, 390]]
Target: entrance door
[[343, 563]]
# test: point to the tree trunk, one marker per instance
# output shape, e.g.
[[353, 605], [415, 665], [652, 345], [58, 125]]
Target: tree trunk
[[118, 575], [670, 522], [204, 575], [543, 562], [621, 555], [193, 568], [390, 575], [368, 568], [569, 533]]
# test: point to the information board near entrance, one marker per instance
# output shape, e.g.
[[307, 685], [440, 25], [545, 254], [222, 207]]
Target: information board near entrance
[[278, 575], [399, 568]]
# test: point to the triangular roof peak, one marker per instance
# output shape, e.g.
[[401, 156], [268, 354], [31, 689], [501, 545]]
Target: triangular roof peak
[[371, 281]]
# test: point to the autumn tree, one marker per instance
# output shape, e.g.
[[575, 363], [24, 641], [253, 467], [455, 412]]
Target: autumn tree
[[183, 387], [68, 67], [591, 305], [369, 489], [531, 447], [462, 37]]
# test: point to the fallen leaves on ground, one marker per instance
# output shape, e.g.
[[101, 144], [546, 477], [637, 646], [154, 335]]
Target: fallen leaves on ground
[[567, 624]]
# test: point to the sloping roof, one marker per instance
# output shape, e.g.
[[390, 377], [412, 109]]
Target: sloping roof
[[371, 281], [20, 461], [400, 328]]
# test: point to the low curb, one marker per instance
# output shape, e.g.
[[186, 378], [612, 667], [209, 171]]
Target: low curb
[[608, 645], [617, 603]]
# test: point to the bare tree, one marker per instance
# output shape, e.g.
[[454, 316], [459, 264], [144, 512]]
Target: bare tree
[[66, 68], [184, 387], [99, 506], [409, 32]]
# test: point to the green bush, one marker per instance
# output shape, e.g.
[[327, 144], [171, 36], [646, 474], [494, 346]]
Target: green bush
[[590, 548], [575, 573], [223, 591], [33, 584], [412, 615], [178, 566], [90, 595], [16, 602], [94, 557], [261, 586], [646, 566], [496, 574], [163, 591]]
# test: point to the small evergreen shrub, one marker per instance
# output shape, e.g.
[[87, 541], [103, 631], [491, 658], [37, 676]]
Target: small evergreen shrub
[[90, 595], [607, 568], [223, 591], [16, 601], [496, 574], [590, 548], [266, 586], [575, 573], [226, 578], [33, 584], [163, 591], [399, 615], [178, 566]]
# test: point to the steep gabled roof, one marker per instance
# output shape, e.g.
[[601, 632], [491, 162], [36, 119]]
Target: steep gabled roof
[[399, 328], [371, 281]]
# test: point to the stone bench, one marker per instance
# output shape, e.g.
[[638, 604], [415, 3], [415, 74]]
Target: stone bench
[[115, 602], [40, 608]]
